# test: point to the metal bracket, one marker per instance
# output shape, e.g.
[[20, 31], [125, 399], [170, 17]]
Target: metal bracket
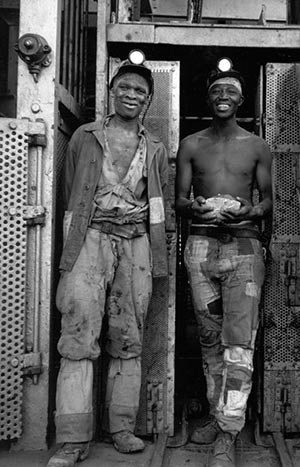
[[37, 140], [289, 269], [32, 363], [34, 215]]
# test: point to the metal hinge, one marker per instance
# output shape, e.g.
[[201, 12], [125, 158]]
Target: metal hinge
[[32, 363], [34, 214]]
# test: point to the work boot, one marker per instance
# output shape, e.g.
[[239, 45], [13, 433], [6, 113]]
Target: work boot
[[206, 432], [224, 451], [125, 441], [69, 454]]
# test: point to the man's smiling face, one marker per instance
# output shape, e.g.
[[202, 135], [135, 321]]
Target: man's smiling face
[[224, 99], [131, 93]]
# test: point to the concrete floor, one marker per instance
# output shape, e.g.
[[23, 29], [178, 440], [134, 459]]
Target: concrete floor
[[191, 455], [101, 455]]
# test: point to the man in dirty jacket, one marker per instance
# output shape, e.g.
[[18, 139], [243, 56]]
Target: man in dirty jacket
[[114, 243]]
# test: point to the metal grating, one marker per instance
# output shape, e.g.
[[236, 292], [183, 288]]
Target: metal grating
[[162, 120], [281, 304], [13, 182], [282, 97], [286, 201]]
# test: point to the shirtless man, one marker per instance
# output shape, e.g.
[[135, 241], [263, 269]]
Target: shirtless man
[[224, 255], [114, 243]]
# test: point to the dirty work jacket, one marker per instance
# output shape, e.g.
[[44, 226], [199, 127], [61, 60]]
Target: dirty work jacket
[[83, 166]]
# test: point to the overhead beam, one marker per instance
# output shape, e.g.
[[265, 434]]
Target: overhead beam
[[283, 37]]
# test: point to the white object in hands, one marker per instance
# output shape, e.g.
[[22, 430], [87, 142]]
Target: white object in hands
[[222, 203]]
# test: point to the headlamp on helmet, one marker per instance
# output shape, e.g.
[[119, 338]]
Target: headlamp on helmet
[[224, 64], [225, 69], [134, 64]]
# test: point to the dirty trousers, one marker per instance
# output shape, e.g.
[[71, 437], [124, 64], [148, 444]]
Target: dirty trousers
[[112, 275], [226, 280]]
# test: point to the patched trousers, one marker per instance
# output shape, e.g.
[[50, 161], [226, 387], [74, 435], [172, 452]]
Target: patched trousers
[[226, 280], [112, 275]]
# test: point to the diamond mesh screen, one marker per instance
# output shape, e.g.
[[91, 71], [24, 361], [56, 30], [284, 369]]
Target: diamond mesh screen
[[13, 182], [281, 295]]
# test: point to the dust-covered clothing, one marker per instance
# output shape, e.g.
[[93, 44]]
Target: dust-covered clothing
[[122, 201], [83, 167], [112, 275], [112, 229], [226, 276]]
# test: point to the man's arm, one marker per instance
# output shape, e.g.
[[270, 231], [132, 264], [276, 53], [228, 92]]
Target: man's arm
[[183, 181], [69, 168], [163, 171], [264, 183], [263, 178]]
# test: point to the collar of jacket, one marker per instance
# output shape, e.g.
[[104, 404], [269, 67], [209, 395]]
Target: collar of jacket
[[97, 128]]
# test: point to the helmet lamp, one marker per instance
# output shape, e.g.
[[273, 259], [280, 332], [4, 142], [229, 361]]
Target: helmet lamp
[[136, 57], [135, 63], [224, 69], [224, 64]]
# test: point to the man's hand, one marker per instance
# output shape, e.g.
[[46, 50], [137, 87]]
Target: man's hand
[[204, 212], [246, 212]]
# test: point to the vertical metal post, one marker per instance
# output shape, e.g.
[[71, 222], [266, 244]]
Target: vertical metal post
[[81, 52], [37, 262], [36, 100], [101, 67], [64, 61], [71, 56], [76, 49]]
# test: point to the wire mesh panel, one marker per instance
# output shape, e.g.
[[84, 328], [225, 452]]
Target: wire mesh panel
[[281, 307], [13, 182], [156, 412]]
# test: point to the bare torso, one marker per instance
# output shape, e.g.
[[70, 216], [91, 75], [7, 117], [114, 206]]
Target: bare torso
[[223, 161], [123, 144], [224, 166]]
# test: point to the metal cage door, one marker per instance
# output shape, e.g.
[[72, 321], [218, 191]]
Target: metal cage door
[[156, 414], [21, 143], [281, 307]]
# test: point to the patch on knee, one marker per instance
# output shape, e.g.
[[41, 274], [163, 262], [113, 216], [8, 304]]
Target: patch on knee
[[236, 404], [239, 356], [252, 290]]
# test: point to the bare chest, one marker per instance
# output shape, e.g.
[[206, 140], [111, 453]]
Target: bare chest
[[225, 159], [122, 148]]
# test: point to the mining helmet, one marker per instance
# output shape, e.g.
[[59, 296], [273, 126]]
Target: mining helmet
[[224, 69], [135, 64]]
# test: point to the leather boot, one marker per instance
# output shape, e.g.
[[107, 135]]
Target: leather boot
[[224, 451], [206, 432], [69, 454], [125, 442]]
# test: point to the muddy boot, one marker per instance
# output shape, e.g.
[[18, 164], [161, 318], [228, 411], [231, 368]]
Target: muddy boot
[[206, 432], [69, 454], [125, 441], [224, 451]]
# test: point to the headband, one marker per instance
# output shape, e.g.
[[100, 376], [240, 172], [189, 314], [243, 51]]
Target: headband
[[228, 80]]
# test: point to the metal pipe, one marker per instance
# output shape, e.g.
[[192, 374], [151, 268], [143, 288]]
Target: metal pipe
[[37, 261], [76, 49], [71, 58], [65, 43]]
